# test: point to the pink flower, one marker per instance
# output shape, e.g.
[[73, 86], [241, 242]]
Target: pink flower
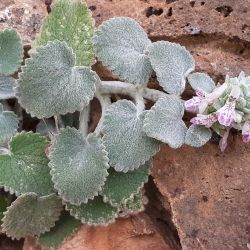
[[223, 140], [193, 104], [246, 132], [206, 120], [226, 114]]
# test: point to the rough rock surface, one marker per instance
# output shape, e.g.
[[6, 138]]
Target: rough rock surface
[[208, 193], [134, 233], [25, 16]]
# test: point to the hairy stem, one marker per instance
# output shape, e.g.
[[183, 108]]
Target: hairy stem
[[123, 88], [105, 102], [139, 100], [84, 120]]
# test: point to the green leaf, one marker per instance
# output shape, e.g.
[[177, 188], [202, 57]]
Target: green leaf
[[70, 21], [50, 84], [11, 52], [26, 168], [201, 81], [78, 165], [8, 125], [64, 228], [172, 64], [120, 187], [95, 212], [127, 145], [7, 87], [30, 215], [197, 136], [4, 203], [121, 43], [164, 121]]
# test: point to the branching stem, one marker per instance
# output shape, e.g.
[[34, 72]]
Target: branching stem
[[84, 120], [123, 88]]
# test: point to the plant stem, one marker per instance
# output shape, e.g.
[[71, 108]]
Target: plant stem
[[84, 120], [105, 102], [139, 100], [117, 87]]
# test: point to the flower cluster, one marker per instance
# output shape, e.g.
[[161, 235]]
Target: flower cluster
[[226, 106]]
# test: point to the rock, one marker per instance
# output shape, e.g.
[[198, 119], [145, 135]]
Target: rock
[[24, 16], [208, 192], [134, 233]]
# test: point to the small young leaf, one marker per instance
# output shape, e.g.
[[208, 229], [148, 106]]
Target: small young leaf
[[120, 187], [8, 125], [164, 121], [127, 145], [64, 228], [201, 81], [95, 212], [4, 203], [132, 206], [197, 136], [70, 21], [172, 64], [7, 87], [26, 168], [120, 43], [78, 166], [30, 215], [50, 84], [11, 52]]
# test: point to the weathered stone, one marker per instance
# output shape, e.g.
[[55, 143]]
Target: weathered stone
[[209, 194], [24, 16], [134, 233]]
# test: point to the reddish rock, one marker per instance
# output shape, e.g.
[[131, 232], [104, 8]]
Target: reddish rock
[[209, 194], [134, 233], [25, 16]]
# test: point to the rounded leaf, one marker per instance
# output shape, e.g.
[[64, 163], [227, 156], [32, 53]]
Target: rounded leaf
[[30, 215], [8, 125], [78, 165], [11, 52], [127, 145], [197, 136], [164, 121], [70, 21], [50, 84], [26, 168], [7, 87], [172, 64], [201, 81], [64, 228], [120, 187], [120, 43], [95, 212]]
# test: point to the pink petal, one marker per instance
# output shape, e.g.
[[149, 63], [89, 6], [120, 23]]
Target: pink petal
[[246, 132], [223, 141], [226, 114], [193, 104], [200, 93], [206, 120]]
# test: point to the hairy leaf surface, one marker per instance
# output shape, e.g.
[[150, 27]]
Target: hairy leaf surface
[[95, 212], [11, 51], [164, 121], [120, 43], [121, 187], [78, 165], [30, 215], [8, 125], [132, 206], [70, 21], [197, 136], [127, 145], [201, 81], [63, 229], [172, 64], [26, 168], [50, 84], [7, 87]]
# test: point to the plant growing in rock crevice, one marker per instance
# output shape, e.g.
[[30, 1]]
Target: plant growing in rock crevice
[[95, 177]]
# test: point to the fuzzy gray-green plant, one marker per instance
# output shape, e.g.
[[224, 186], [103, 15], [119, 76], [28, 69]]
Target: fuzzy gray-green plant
[[96, 176]]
